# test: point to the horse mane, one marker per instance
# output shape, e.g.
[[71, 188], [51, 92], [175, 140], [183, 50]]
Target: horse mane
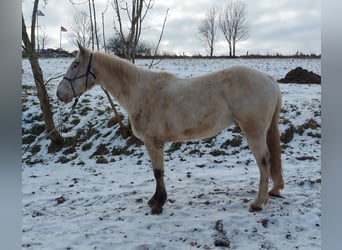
[[121, 68], [127, 72]]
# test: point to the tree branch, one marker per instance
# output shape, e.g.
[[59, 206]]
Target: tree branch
[[33, 24], [160, 38]]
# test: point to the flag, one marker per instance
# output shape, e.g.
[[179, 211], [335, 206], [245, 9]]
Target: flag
[[63, 29], [40, 13]]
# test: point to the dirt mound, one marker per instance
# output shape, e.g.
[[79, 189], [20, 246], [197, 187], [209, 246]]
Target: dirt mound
[[300, 75]]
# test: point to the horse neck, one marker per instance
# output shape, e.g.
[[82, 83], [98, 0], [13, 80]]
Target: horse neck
[[117, 76]]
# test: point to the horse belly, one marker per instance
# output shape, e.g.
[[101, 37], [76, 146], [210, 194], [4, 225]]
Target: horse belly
[[186, 114], [202, 126]]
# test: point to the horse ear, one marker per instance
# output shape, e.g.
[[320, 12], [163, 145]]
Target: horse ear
[[81, 48]]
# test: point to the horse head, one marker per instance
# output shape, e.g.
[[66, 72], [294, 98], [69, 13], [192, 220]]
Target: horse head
[[78, 78]]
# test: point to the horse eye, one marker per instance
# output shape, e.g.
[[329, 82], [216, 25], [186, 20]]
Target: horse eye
[[75, 65]]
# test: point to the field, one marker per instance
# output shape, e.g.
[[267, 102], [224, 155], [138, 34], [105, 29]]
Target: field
[[70, 200]]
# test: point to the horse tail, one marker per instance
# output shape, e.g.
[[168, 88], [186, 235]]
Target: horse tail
[[273, 144]]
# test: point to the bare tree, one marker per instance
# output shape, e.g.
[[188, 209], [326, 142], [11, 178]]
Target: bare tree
[[91, 25], [84, 26], [95, 29], [29, 47], [81, 29], [43, 38], [208, 30], [135, 13], [233, 24], [103, 27]]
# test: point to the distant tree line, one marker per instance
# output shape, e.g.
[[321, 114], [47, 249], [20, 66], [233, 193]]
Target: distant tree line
[[145, 53]]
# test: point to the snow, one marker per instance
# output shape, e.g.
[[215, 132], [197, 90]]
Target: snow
[[71, 202]]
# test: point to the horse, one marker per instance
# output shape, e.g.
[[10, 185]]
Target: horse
[[164, 108]]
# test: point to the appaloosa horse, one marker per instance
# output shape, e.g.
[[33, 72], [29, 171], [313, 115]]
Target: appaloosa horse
[[162, 107]]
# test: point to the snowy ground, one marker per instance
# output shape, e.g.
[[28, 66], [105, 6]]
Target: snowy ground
[[71, 202]]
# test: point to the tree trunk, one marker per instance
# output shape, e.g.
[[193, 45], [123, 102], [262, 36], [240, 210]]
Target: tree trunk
[[95, 27], [211, 51], [233, 48], [91, 27], [43, 97], [54, 135]]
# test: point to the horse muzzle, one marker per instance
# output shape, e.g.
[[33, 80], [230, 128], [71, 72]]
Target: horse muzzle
[[64, 96]]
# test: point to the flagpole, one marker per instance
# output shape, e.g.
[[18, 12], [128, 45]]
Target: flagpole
[[38, 13], [62, 29], [37, 36]]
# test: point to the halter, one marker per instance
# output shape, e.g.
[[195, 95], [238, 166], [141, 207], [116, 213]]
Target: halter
[[71, 80]]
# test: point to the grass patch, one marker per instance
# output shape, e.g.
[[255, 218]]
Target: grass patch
[[75, 121], [85, 111], [235, 142], [28, 139], [30, 162], [35, 149], [196, 152], [64, 159], [67, 142], [288, 134], [87, 146], [85, 100], [69, 150], [209, 141], [217, 152], [37, 129], [174, 147], [121, 151], [101, 150], [314, 135]]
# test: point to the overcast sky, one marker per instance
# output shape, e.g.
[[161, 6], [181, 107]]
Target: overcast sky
[[284, 26]]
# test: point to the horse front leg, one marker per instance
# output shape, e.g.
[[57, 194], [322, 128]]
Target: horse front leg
[[156, 152]]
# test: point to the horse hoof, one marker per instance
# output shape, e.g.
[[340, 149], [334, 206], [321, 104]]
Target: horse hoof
[[156, 210], [254, 208], [152, 202], [276, 195]]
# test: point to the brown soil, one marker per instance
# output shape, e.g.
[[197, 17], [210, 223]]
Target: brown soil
[[300, 75]]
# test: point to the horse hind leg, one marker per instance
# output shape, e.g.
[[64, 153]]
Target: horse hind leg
[[263, 162], [258, 146]]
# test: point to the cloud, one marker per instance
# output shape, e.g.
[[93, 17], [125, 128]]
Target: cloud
[[284, 26]]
